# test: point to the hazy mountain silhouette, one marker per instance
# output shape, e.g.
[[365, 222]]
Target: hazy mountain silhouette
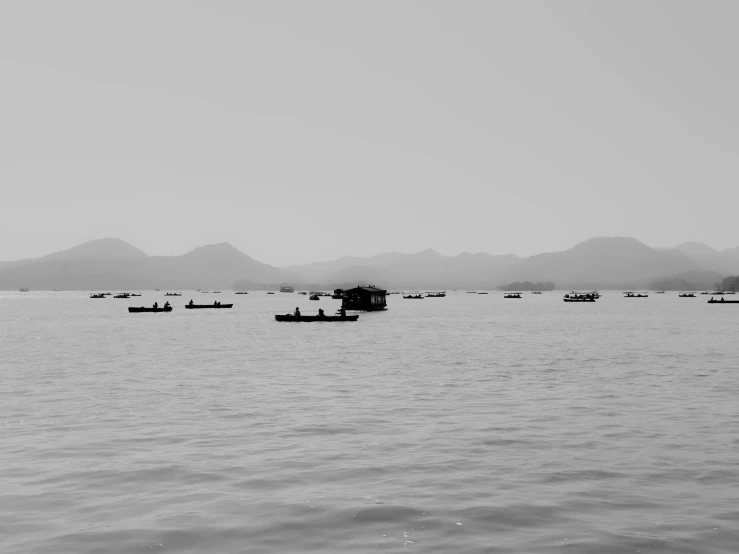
[[688, 281], [320, 271], [596, 263], [114, 264], [723, 261], [426, 269], [602, 262]]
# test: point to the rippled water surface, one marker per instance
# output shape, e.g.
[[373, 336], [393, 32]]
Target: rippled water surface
[[464, 424]]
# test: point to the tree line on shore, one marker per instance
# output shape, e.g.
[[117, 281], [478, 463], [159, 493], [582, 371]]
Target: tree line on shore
[[729, 283], [527, 286]]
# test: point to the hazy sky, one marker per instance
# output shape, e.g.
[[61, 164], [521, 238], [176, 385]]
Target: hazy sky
[[301, 131]]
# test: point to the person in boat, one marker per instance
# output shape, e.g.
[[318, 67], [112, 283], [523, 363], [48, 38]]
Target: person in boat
[[297, 312], [320, 313], [191, 302], [166, 305], [342, 312], [156, 305]]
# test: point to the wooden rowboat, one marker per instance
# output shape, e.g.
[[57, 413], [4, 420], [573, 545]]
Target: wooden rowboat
[[712, 301], [142, 309], [308, 318], [206, 306]]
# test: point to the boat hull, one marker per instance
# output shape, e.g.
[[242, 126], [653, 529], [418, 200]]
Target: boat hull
[[579, 299], [724, 302], [207, 306], [310, 318], [142, 309]]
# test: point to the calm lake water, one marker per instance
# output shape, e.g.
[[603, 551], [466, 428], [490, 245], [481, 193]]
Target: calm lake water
[[463, 424]]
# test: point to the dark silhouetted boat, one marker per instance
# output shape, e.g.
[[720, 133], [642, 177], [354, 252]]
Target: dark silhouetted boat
[[270, 293], [516, 295], [207, 306], [173, 294], [311, 318], [314, 297], [632, 295], [436, 295], [686, 295], [142, 309], [722, 301], [97, 296], [242, 293], [536, 292], [122, 296], [577, 297], [416, 297]]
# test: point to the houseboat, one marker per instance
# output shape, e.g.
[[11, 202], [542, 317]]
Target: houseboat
[[367, 299]]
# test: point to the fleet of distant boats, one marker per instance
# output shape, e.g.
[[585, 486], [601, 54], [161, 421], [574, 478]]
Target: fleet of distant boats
[[573, 296]]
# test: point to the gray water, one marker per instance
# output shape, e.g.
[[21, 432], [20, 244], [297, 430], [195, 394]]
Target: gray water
[[463, 424]]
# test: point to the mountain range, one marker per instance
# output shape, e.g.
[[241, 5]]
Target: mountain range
[[603, 262]]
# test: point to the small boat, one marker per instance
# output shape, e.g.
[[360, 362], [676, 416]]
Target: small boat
[[132, 294], [270, 293], [23, 289], [416, 297], [216, 292], [142, 309], [436, 295], [122, 296], [577, 297], [482, 293], [97, 296], [723, 301], [287, 288], [303, 293], [516, 295], [314, 297], [632, 295], [686, 295], [471, 292], [660, 292], [536, 292], [309, 318], [107, 294], [206, 306], [173, 294], [242, 293]]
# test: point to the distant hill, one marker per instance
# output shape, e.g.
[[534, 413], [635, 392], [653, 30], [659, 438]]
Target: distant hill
[[320, 271], [426, 270], [723, 261], [114, 264], [602, 262], [688, 281]]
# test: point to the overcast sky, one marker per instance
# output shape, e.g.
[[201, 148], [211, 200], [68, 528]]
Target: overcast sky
[[301, 131]]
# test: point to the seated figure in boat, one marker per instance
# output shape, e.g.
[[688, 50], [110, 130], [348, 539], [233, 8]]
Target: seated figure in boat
[[297, 312], [191, 302], [320, 313], [166, 305], [342, 311]]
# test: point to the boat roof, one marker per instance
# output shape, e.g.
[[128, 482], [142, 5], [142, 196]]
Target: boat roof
[[367, 289]]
